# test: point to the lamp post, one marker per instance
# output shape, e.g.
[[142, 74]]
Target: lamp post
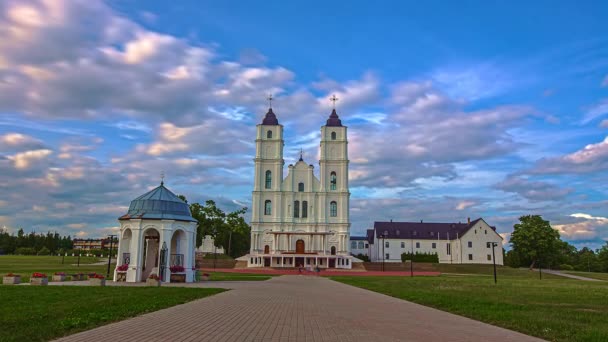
[[494, 244], [383, 254], [110, 255]]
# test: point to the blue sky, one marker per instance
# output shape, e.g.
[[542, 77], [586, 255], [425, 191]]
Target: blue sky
[[455, 109]]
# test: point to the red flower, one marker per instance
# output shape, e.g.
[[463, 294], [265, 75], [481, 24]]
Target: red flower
[[96, 276], [122, 268], [154, 276], [38, 275], [177, 269], [13, 275], [59, 273]]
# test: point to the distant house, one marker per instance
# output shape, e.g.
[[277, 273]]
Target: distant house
[[359, 245], [454, 243], [90, 244]]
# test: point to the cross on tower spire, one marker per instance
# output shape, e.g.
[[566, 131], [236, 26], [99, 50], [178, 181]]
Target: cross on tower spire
[[162, 178], [269, 98], [334, 99], [301, 154]]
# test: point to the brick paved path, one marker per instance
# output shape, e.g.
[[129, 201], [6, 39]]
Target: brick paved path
[[298, 308]]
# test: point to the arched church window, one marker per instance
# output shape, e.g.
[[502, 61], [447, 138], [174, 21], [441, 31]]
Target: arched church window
[[301, 187], [304, 209], [333, 181], [267, 207], [333, 209], [268, 179], [296, 209], [269, 134], [333, 135]]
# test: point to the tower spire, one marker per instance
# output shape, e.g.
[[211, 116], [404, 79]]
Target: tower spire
[[334, 119], [162, 178], [270, 119]]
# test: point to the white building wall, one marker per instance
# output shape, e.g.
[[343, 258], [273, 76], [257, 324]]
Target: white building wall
[[479, 236]]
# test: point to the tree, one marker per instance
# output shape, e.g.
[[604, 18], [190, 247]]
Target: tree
[[602, 257], [229, 231], [534, 239]]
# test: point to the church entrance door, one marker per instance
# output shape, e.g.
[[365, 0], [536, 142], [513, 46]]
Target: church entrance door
[[300, 247], [332, 263]]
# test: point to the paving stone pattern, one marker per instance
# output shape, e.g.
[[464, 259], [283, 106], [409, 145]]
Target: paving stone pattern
[[298, 308]]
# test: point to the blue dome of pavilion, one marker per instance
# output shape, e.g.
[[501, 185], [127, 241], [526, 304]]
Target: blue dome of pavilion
[[159, 204]]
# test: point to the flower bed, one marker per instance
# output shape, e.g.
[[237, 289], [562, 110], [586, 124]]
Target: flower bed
[[39, 279], [59, 276], [177, 274], [122, 268], [97, 279], [205, 277], [11, 279]]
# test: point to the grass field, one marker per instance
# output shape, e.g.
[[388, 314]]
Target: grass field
[[556, 308], [223, 276], [26, 265], [44, 313]]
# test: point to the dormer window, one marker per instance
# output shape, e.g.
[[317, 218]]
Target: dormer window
[[269, 134], [300, 187], [333, 135]]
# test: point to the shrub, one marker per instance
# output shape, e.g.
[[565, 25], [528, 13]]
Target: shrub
[[566, 267], [421, 257], [25, 251], [363, 257], [44, 251]]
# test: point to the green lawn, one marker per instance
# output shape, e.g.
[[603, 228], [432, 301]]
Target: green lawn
[[48, 312], [556, 309], [26, 265], [225, 276]]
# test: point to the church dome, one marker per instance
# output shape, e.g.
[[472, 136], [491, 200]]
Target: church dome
[[159, 204], [270, 119]]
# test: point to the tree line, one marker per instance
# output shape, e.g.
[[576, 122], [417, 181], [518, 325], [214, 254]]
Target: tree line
[[229, 230], [32, 243], [534, 243]]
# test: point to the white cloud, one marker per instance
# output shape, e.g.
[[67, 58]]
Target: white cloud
[[592, 158], [595, 111], [25, 160]]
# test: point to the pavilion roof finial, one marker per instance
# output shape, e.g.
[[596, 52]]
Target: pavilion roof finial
[[270, 98], [162, 178]]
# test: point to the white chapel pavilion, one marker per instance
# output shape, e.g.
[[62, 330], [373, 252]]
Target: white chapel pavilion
[[157, 234]]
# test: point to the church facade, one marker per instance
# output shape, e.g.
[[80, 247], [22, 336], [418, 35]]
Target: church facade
[[300, 220]]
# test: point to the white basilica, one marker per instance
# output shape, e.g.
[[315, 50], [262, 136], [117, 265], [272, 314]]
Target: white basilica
[[300, 220]]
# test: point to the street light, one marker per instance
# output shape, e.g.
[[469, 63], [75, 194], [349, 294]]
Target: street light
[[110, 254], [494, 244], [383, 245]]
